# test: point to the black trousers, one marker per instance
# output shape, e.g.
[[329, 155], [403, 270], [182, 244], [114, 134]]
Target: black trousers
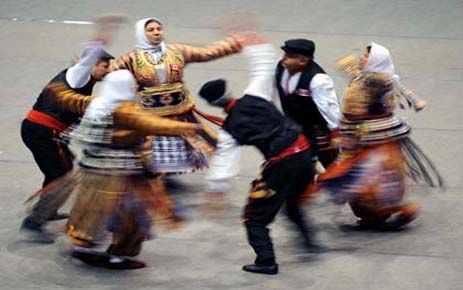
[[54, 159], [327, 156], [286, 180]]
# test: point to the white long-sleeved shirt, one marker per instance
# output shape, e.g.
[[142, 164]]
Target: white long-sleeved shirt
[[224, 165], [323, 94], [79, 74]]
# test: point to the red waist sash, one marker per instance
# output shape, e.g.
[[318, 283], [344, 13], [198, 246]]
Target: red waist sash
[[46, 120], [301, 144]]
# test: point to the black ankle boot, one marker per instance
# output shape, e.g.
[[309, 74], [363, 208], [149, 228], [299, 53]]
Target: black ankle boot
[[261, 269]]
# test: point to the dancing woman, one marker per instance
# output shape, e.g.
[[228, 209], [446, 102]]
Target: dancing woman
[[158, 69], [377, 153]]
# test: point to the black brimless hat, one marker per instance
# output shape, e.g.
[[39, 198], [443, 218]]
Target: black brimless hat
[[300, 46], [213, 90]]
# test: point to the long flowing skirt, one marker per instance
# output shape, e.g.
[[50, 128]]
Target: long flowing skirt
[[373, 181], [123, 205]]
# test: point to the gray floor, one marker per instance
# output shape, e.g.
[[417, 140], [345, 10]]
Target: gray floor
[[426, 41]]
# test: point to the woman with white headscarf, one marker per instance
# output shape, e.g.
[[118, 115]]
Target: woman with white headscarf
[[377, 153], [114, 191], [158, 69], [382, 62]]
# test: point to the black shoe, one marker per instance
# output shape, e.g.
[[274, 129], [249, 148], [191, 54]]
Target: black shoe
[[36, 233], [59, 216], [371, 224], [93, 258], [397, 223], [125, 264], [261, 269], [103, 260]]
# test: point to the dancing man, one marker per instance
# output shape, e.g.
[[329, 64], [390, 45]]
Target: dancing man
[[254, 120], [40, 130], [308, 97]]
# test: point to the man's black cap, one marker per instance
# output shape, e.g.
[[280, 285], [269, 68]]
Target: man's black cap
[[213, 90], [105, 56], [300, 46]]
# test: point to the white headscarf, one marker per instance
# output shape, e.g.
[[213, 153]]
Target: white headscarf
[[379, 60], [142, 43], [117, 87]]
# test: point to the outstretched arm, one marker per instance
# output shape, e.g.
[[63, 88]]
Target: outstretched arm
[[219, 49], [131, 116], [262, 58], [225, 163], [412, 99]]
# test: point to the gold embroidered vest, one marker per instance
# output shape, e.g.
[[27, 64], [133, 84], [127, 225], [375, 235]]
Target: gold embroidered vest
[[164, 99]]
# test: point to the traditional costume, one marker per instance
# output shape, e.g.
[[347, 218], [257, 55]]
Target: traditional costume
[[41, 129], [113, 190], [158, 71], [308, 97], [377, 152], [253, 120]]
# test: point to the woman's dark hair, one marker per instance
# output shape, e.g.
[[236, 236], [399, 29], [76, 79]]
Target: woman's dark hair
[[151, 21]]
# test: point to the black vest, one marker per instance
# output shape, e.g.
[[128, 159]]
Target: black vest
[[257, 122], [300, 107], [47, 105]]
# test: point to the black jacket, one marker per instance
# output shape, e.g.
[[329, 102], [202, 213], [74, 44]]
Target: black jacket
[[257, 122]]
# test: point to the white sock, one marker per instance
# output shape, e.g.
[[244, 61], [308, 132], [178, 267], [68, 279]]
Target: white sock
[[116, 259]]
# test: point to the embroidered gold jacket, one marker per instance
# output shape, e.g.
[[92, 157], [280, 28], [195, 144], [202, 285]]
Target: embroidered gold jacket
[[169, 96]]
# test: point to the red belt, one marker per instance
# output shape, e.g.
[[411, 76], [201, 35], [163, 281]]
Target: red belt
[[46, 120], [211, 118], [301, 144], [230, 105]]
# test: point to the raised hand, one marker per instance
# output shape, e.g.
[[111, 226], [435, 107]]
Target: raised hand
[[348, 64], [107, 25]]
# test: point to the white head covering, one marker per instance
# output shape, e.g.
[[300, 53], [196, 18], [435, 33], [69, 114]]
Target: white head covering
[[142, 43], [117, 87], [379, 60]]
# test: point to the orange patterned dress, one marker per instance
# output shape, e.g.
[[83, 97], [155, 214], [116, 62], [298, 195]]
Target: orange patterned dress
[[376, 156]]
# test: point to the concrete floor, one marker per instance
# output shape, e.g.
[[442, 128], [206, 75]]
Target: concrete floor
[[426, 43]]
